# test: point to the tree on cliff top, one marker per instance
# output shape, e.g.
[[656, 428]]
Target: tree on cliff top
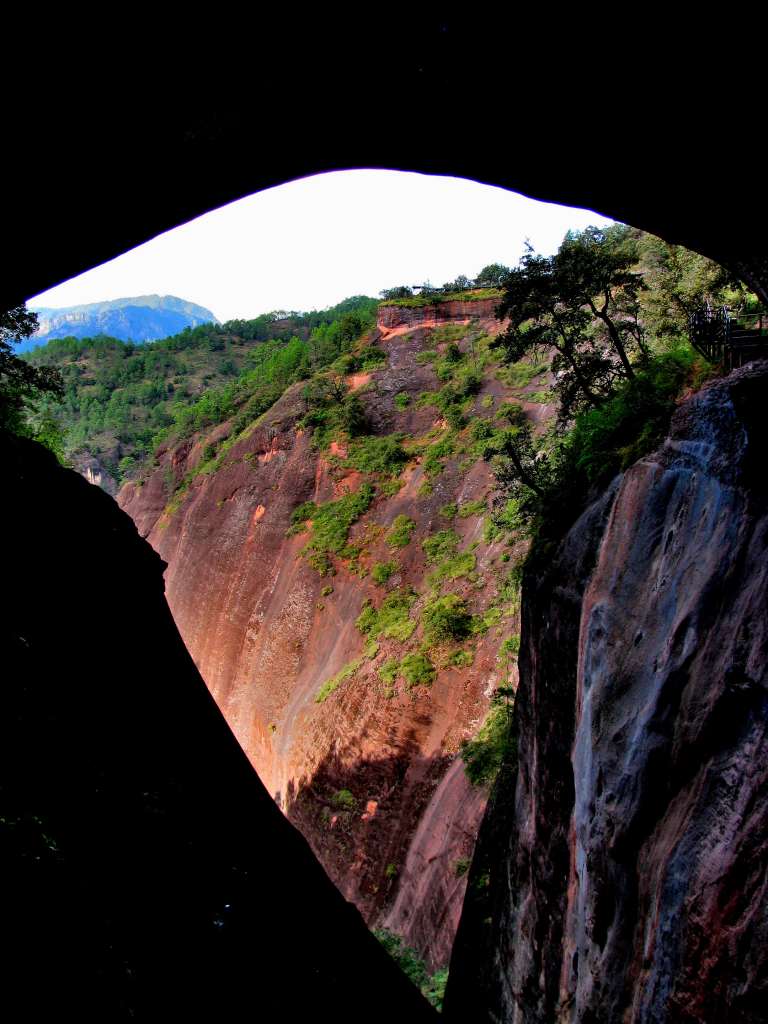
[[402, 291], [583, 303], [492, 276], [20, 382]]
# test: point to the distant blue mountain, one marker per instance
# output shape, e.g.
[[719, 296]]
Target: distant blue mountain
[[142, 318]]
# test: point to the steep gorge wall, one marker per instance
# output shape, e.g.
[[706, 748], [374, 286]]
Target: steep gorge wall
[[265, 637], [627, 879]]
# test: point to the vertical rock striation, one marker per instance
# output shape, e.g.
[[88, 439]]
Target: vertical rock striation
[[628, 881]]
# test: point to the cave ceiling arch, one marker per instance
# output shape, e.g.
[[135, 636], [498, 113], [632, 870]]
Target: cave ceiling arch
[[133, 139]]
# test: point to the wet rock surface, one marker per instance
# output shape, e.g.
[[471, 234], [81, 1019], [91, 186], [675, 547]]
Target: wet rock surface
[[627, 879]]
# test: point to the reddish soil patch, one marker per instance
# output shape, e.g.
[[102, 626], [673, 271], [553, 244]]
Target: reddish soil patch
[[358, 380]]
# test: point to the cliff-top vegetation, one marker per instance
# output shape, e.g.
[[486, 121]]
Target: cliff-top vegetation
[[609, 311]]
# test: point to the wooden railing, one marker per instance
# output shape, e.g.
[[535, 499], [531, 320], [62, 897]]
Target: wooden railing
[[729, 336]]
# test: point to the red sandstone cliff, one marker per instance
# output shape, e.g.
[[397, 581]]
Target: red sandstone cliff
[[625, 879], [265, 637], [415, 316]]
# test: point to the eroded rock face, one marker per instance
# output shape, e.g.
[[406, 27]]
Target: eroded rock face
[[391, 317], [629, 880], [266, 631]]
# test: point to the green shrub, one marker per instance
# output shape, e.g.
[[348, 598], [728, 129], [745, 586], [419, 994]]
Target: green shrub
[[509, 650], [417, 670], [331, 524], [448, 333], [389, 671], [462, 659], [414, 968], [446, 618], [483, 755], [304, 512], [435, 299], [441, 549], [392, 619], [491, 617], [434, 990], [541, 397], [440, 545], [454, 416], [483, 437], [471, 508], [399, 535], [326, 591], [370, 650], [344, 799], [461, 867], [390, 487], [377, 454], [381, 572], [402, 400], [521, 373], [435, 455], [454, 568], [449, 511], [370, 357], [335, 681]]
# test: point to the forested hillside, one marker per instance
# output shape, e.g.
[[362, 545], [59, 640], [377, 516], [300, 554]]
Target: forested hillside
[[139, 318], [122, 399]]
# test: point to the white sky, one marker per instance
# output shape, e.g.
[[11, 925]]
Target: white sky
[[310, 243]]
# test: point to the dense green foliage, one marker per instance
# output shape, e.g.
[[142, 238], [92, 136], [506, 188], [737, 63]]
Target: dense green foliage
[[392, 619], [484, 753], [612, 304], [122, 400], [331, 524], [399, 535], [381, 572], [378, 454], [409, 962], [24, 389], [583, 302], [445, 619], [417, 669]]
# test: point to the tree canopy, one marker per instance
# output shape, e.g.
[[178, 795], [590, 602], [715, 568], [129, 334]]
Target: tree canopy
[[610, 310], [21, 383], [492, 276], [583, 304]]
